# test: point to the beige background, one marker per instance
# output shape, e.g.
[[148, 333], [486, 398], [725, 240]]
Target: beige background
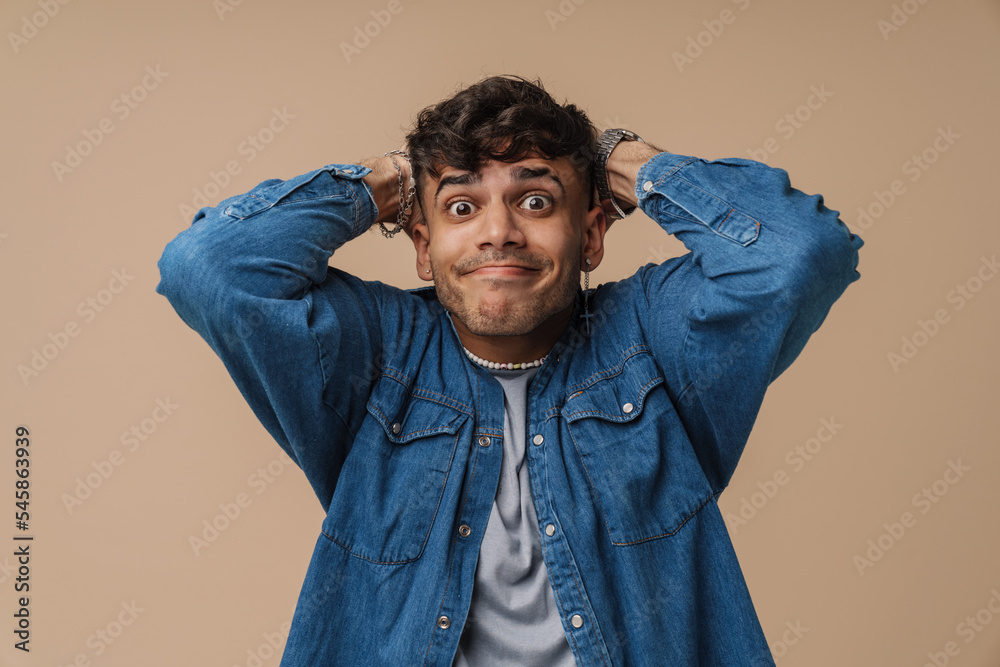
[[224, 72]]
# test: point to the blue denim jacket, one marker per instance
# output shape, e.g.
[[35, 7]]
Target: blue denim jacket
[[635, 429]]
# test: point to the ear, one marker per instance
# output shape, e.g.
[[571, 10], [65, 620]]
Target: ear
[[421, 242], [594, 228]]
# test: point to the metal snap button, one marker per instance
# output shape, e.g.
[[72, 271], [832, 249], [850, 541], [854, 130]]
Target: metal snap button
[[445, 622], [550, 530], [647, 186], [484, 440], [464, 530], [538, 439], [576, 620], [627, 408], [396, 428]]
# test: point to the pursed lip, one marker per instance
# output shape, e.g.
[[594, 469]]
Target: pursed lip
[[504, 269]]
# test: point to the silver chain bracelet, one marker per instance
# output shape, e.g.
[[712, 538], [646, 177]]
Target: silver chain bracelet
[[405, 204]]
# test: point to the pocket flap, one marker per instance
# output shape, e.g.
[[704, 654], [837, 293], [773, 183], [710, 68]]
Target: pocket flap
[[616, 394], [688, 201], [406, 417]]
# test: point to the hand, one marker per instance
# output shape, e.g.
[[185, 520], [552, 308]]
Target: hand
[[622, 168], [384, 181], [623, 171]]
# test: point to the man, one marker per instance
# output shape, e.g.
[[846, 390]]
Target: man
[[516, 471]]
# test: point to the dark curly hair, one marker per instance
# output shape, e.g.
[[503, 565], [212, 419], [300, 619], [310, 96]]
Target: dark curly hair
[[500, 118]]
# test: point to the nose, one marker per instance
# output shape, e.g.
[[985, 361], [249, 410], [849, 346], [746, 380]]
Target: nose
[[499, 227]]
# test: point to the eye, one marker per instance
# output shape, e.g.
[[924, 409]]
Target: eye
[[461, 208], [536, 202]]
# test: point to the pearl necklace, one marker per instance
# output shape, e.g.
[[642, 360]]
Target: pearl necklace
[[494, 365]]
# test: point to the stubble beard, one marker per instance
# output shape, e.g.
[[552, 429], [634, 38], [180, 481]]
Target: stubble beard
[[500, 313]]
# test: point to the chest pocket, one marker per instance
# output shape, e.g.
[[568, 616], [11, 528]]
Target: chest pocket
[[636, 454], [390, 488]]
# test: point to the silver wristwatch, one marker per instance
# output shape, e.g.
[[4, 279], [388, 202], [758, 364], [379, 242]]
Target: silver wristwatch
[[609, 139]]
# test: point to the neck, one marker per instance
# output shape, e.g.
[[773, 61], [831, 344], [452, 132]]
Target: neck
[[516, 349]]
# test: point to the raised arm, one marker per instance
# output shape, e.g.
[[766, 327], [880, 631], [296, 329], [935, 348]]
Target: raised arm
[[251, 276], [766, 263]]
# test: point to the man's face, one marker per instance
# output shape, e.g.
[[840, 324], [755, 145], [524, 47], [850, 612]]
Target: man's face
[[505, 245]]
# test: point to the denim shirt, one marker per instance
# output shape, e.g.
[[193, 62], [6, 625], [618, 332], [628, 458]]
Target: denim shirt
[[634, 429]]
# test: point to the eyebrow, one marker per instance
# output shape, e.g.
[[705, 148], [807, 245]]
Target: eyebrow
[[519, 174]]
